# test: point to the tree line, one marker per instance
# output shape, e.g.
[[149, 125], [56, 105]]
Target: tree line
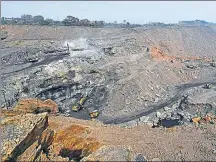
[[27, 19]]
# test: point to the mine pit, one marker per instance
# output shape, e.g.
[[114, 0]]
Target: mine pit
[[88, 87]]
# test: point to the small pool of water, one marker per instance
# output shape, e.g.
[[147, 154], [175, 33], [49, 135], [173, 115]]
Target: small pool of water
[[168, 123]]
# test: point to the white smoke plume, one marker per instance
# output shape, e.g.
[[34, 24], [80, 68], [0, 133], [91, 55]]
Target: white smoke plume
[[81, 43], [77, 44]]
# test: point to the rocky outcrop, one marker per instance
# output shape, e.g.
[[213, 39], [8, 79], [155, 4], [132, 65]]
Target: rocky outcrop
[[36, 151], [23, 131], [29, 137], [36, 106]]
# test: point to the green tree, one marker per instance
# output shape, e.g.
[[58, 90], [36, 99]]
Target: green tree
[[50, 21], [84, 22], [47, 22], [38, 19], [70, 20], [27, 19], [3, 21]]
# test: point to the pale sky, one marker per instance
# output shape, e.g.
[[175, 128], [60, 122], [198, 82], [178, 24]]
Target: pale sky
[[133, 11]]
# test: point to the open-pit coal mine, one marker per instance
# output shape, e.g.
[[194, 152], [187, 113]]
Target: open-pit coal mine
[[162, 77], [131, 78]]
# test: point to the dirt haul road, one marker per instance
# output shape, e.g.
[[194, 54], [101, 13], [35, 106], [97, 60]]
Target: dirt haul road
[[135, 115]]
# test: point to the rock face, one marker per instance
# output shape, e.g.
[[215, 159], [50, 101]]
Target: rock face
[[107, 153], [28, 137], [36, 106], [39, 147], [20, 132]]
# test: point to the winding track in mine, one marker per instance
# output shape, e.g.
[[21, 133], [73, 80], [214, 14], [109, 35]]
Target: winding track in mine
[[133, 115], [10, 70], [153, 108]]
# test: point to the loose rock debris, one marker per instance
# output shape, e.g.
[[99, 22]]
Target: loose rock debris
[[133, 78]]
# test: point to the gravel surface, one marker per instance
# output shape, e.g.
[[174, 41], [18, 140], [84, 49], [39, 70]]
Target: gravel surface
[[187, 143]]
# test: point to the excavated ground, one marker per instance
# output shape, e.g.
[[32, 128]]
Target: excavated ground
[[187, 143], [133, 77], [123, 77]]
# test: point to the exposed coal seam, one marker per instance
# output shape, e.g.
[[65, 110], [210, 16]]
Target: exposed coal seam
[[43, 62], [27, 39], [63, 86], [77, 49]]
